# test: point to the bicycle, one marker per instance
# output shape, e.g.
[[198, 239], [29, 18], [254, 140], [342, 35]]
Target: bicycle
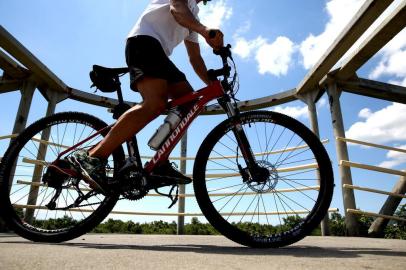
[[241, 192]]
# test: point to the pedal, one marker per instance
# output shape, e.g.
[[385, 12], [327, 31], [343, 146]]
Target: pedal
[[157, 181]]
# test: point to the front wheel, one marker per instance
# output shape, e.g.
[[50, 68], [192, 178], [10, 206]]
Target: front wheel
[[67, 208], [284, 204]]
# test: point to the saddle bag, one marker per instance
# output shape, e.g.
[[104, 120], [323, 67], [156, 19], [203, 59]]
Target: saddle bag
[[104, 80]]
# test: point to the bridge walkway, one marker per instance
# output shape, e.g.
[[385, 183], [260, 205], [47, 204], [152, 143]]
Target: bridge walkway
[[98, 251]]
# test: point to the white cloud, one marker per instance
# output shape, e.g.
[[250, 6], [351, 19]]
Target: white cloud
[[293, 111], [393, 55], [393, 60], [395, 158], [383, 126], [401, 83], [393, 63], [299, 111], [340, 14], [244, 28], [244, 48], [215, 14], [312, 48], [365, 113], [275, 58]]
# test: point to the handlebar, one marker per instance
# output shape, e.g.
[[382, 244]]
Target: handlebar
[[224, 53], [214, 73]]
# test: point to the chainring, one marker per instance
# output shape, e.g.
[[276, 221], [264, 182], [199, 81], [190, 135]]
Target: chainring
[[134, 194], [133, 185]]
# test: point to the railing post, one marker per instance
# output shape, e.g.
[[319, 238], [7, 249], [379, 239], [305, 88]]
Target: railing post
[[53, 99], [27, 92], [391, 204], [310, 99], [182, 189], [342, 154]]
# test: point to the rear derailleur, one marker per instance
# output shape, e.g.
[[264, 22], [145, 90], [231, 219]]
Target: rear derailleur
[[59, 176], [74, 184]]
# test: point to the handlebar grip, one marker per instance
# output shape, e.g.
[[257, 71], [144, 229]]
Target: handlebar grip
[[212, 33], [224, 52]]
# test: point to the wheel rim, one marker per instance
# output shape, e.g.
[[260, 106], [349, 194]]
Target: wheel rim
[[271, 210], [29, 196]]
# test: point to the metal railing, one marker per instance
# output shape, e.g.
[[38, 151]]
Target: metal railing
[[118, 212], [350, 164], [21, 66]]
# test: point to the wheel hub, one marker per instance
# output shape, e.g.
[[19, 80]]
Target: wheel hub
[[265, 179]]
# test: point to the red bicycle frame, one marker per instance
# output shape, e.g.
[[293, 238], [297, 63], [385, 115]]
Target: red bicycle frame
[[200, 98]]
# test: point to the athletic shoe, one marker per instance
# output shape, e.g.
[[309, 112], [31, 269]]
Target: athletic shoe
[[168, 175], [92, 169]]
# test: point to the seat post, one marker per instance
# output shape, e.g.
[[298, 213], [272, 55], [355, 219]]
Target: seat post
[[119, 93]]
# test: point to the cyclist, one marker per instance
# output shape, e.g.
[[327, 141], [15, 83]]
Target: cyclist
[[163, 25]]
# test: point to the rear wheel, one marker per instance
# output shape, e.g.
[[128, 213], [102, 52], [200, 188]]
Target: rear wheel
[[285, 201], [25, 199]]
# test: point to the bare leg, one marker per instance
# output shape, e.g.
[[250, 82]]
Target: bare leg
[[177, 90], [155, 96]]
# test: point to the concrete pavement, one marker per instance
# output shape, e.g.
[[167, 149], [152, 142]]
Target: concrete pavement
[[95, 251]]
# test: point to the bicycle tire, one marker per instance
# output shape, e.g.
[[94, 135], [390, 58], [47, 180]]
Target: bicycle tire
[[7, 175], [235, 230]]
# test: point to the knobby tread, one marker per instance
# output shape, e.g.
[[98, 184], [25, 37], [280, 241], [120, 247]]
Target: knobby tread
[[6, 209], [232, 232]]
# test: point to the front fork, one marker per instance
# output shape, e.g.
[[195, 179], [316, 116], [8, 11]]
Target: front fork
[[233, 112]]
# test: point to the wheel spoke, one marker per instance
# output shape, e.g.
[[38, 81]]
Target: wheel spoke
[[270, 203], [29, 195]]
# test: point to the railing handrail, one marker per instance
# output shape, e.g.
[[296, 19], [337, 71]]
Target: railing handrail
[[35, 184], [402, 196], [360, 212], [12, 136], [371, 168], [371, 144], [171, 214]]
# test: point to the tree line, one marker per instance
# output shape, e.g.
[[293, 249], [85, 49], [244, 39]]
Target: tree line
[[394, 230]]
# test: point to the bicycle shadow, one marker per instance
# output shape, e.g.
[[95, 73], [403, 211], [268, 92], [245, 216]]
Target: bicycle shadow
[[294, 251]]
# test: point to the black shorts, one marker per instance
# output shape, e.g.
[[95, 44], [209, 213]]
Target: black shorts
[[146, 57]]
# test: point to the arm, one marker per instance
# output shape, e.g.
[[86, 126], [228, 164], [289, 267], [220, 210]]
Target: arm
[[182, 14], [197, 61]]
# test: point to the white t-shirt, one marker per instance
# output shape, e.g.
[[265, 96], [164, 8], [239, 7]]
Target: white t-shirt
[[158, 22]]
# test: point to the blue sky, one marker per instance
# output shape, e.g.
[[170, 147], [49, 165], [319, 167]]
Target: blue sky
[[275, 44]]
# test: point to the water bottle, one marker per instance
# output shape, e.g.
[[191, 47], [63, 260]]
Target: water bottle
[[170, 123]]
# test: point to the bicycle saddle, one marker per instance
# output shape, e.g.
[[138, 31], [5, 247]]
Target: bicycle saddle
[[106, 79], [110, 71]]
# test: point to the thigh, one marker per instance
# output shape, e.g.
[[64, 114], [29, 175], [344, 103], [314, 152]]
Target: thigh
[[153, 90], [146, 58], [179, 89]]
